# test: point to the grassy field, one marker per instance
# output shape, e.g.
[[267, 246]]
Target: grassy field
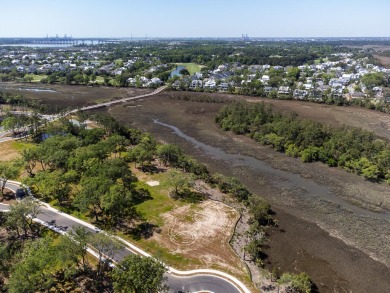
[[35, 77], [118, 61], [192, 67], [99, 80], [160, 201], [318, 61]]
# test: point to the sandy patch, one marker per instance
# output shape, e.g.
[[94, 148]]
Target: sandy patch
[[153, 183]]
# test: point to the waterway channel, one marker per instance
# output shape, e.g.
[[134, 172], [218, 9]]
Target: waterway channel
[[38, 90]]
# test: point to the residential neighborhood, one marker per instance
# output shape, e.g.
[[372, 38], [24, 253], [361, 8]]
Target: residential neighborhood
[[340, 79], [344, 77]]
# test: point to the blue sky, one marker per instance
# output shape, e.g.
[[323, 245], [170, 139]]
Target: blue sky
[[201, 18]]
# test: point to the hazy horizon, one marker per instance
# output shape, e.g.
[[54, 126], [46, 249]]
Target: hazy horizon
[[203, 19]]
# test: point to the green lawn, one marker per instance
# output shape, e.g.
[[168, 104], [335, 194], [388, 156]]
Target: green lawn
[[35, 77], [160, 202], [22, 145], [99, 80], [318, 61], [118, 61], [192, 67], [151, 211]]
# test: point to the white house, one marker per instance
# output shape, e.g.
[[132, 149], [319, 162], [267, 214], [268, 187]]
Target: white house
[[156, 80], [196, 83], [265, 78], [284, 90], [210, 84], [132, 81], [223, 86], [300, 94]]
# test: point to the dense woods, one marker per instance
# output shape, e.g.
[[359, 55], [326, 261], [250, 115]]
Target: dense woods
[[354, 150]]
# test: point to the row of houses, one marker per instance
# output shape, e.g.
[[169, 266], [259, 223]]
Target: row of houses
[[336, 78]]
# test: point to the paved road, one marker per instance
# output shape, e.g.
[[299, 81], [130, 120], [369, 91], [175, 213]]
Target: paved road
[[200, 282]]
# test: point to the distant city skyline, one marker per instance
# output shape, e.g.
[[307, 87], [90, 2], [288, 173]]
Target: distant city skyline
[[200, 19]]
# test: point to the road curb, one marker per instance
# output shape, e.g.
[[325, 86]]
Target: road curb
[[233, 280]]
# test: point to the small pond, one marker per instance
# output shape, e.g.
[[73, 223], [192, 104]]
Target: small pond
[[176, 72]]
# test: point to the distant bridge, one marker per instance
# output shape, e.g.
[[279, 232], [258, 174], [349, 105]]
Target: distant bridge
[[59, 41]]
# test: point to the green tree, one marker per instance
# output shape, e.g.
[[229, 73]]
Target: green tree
[[178, 180], [73, 247], [89, 197], [50, 185], [21, 215], [260, 210], [139, 274], [140, 155], [374, 79], [117, 144], [300, 282], [10, 123], [8, 170], [106, 248], [117, 205], [184, 72], [254, 248], [169, 154], [293, 73], [34, 270]]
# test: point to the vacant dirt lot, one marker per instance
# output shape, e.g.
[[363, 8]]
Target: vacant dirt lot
[[202, 232]]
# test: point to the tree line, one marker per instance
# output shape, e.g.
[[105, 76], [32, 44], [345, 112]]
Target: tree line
[[355, 150]]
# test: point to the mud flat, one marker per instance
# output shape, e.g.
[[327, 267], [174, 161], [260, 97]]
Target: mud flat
[[61, 97], [332, 224]]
